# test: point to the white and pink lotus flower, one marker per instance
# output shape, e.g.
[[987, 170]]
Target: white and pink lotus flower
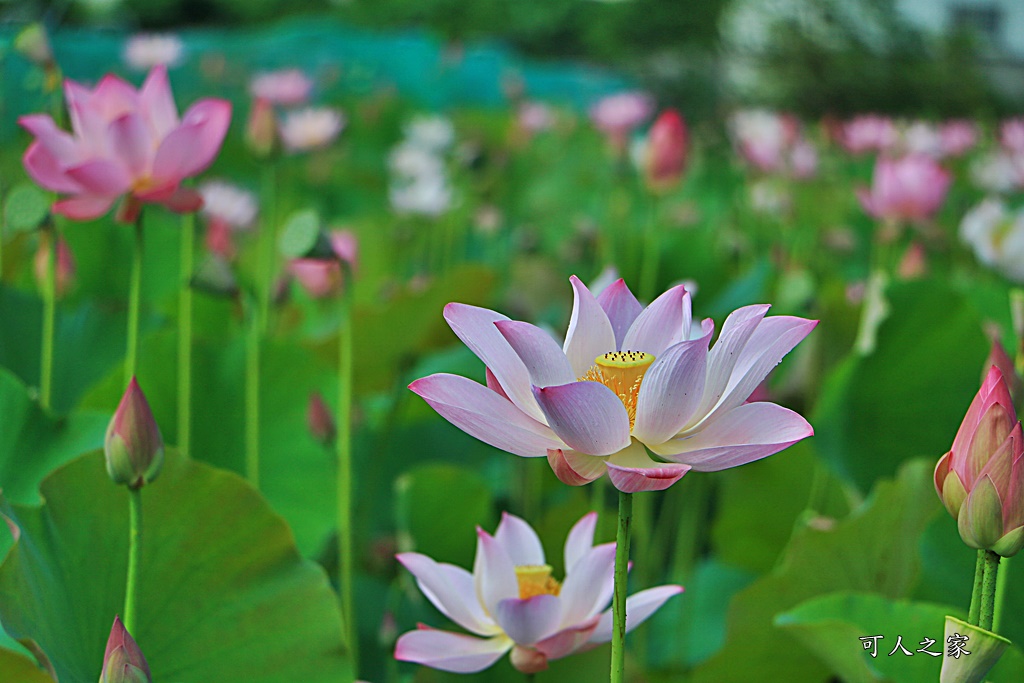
[[511, 601], [627, 380], [124, 142]]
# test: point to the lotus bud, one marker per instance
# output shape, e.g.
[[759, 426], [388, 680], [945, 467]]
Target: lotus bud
[[998, 357], [261, 129], [666, 151], [981, 479], [123, 661], [318, 419], [133, 446], [64, 265]]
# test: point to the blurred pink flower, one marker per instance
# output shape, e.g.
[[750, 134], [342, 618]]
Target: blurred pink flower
[[1011, 135], [285, 86], [64, 264], [617, 115], [512, 602], [311, 128], [535, 116], [627, 378], [324, 277], [124, 142], [981, 479], [958, 136], [869, 133], [227, 208], [667, 147], [146, 51], [909, 188], [772, 143]]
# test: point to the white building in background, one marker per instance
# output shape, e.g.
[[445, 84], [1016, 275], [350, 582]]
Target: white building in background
[[1000, 22]]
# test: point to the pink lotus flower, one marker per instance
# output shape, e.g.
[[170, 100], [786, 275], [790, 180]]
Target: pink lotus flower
[[145, 51], [285, 86], [981, 479], [958, 136], [617, 115], [1011, 135], [311, 128], [910, 188], [124, 142], [627, 378], [868, 133], [762, 137], [512, 602], [321, 277], [666, 150]]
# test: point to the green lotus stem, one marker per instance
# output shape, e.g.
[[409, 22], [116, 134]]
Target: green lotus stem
[[134, 299], [50, 238], [343, 443], [997, 616], [267, 242], [979, 574], [988, 590], [619, 599], [252, 399], [649, 259], [188, 227], [134, 556]]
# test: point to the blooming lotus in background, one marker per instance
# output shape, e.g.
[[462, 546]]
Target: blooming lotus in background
[[324, 277], [997, 237], [908, 188], [146, 51], [922, 137], [432, 133], [665, 154], [869, 133], [124, 143], [1011, 135], [535, 117], [627, 379], [999, 171], [981, 479], [762, 137], [512, 602], [285, 87], [957, 137], [227, 208], [123, 661], [617, 115], [311, 128]]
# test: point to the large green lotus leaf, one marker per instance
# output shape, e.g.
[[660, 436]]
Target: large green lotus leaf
[[18, 668], [908, 397], [749, 534], [438, 506], [296, 472], [874, 549], [32, 442], [88, 342], [831, 626], [223, 594]]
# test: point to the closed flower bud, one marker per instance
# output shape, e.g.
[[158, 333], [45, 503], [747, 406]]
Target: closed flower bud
[[318, 419], [64, 264], [133, 446], [261, 128], [981, 479], [666, 151], [123, 661], [33, 43]]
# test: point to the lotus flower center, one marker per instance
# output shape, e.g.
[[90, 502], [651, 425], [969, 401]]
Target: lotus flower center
[[535, 579], [622, 372]]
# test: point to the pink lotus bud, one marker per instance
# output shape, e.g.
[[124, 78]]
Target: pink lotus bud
[[123, 661], [133, 446], [666, 150], [910, 188], [319, 420], [981, 479], [324, 277], [261, 128], [64, 265], [998, 357]]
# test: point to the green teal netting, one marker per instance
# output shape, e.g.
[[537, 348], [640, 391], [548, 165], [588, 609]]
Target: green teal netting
[[345, 61]]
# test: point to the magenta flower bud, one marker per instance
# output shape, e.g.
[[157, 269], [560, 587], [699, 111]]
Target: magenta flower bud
[[64, 265], [123, 661], [981, 479], [318, 419], [667, 147], [133, 446], [261, 128]]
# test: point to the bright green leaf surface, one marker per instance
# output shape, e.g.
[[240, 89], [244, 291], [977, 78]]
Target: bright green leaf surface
[[224, 595]]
